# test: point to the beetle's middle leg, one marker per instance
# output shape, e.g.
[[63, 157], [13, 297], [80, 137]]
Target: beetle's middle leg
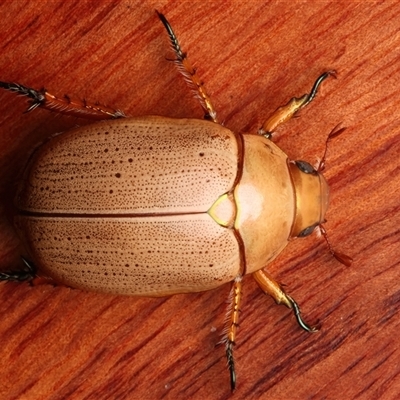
[[189, 73], [63, 105], [271, 287], [286, 112]]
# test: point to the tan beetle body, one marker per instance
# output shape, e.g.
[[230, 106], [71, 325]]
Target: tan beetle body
[[155, 206]]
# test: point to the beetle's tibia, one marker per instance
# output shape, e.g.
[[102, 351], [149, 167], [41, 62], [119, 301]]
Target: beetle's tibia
[[82, 109], [286, 112], [189, 73], [273, 288], [23, 275]]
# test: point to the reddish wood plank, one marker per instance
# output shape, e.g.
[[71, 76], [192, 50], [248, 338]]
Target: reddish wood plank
[[62, 343]]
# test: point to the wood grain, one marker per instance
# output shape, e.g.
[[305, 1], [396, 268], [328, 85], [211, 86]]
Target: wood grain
[[59, 343]]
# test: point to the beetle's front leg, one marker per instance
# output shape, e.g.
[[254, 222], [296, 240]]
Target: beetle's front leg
[[271, 287], [286, 112], [189, 73], [42, 98], [231, 326]]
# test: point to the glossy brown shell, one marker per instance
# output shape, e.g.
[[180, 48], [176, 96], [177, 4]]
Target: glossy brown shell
[[154, 206]]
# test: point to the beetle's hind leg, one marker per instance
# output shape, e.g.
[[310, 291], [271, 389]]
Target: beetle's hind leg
[[286, 112], [63, 105], [231, 326], [271, 287], [26, 274], [189, 73]]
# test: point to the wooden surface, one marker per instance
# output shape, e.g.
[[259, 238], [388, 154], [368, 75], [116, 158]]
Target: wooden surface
[[58, 343]]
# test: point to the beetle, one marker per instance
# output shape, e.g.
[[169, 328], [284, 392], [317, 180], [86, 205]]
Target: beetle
[[154, 206]]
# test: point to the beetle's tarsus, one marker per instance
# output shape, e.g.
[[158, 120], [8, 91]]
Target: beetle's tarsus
[[231, 363], [174, 40], [314, 90], [300, 321], [19, 276], [229, 358], [189, 73], [37, 97]]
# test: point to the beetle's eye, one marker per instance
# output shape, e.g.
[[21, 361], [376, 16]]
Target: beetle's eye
[[308, 231], [305, 167]]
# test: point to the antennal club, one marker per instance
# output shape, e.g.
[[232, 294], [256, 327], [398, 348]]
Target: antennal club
[[343, 258]]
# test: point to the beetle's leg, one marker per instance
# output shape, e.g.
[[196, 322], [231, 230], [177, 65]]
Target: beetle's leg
[[42, 98], [271, 287], [189, 73], [232, 324], [23, 275], [286, 112]]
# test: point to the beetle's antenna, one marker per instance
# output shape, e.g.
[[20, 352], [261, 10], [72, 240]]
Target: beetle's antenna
[[336, 131], [343, 258]]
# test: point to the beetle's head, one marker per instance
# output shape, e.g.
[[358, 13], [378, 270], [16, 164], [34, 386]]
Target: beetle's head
[[312, 198]]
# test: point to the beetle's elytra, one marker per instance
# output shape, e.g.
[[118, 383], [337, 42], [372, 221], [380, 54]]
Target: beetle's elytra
[[154, 206]]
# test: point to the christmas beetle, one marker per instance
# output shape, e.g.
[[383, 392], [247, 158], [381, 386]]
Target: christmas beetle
[[153, 206]]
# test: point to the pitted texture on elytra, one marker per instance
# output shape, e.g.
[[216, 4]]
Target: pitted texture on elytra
[[142, 256], [129, 166]]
